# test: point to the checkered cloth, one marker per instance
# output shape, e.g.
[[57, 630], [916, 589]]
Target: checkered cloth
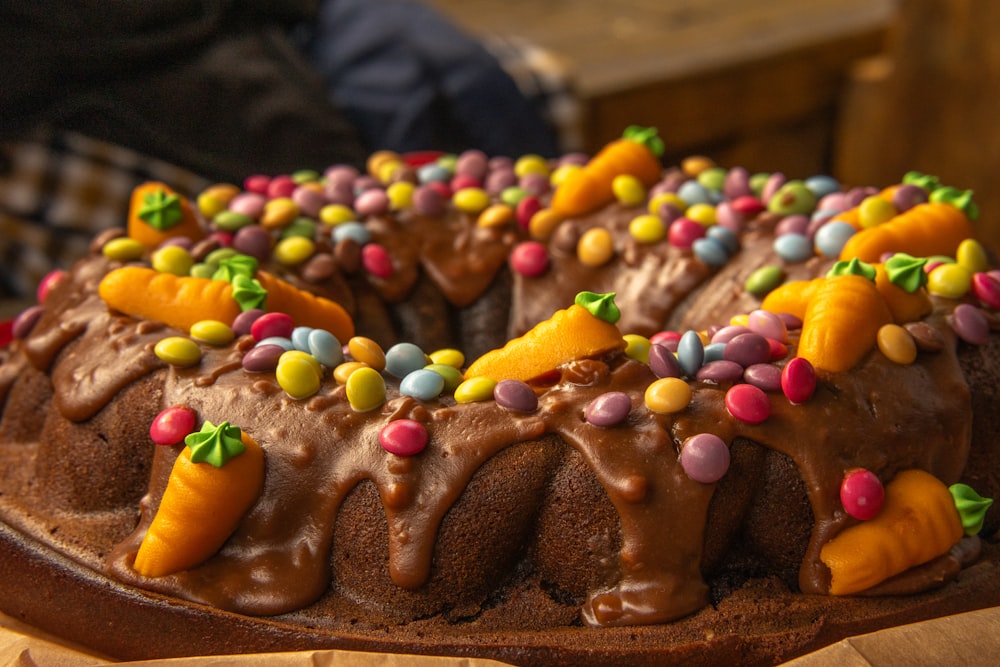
[[57, 190]]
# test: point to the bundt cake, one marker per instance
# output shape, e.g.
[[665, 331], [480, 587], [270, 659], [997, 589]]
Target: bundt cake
[[575, 411]]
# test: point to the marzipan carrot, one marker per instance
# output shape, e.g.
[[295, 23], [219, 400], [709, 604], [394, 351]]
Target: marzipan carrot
[[841, 322], [917, 523], [214, 482], [852, 216], [177, 301], [791, 297], [306, 308], [157, 213], [933, 228], [905, 306], [636, 153]]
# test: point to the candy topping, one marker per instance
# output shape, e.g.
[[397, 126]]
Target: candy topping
[[403, 437], [215, 445], [861, 494], [601, 306], [971, 507], [161, 210]]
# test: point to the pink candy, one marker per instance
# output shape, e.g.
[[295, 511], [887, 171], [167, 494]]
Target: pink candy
[[403, 437], [172, 425], [767, 324], [986, 287], [48, 282], [748, 403], [798, 380], [683, 232], [281, 186], [272, 325], [530, 259], [376, 260], [861, 494]]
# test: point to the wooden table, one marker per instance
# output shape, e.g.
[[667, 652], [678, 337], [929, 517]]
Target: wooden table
[[749, 82]]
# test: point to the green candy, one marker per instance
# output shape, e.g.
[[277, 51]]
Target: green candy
[[215, 445], [971, 507], [248, 292], [763, 280], [853, 267], [906, 271], [161, 210], [601, 306]]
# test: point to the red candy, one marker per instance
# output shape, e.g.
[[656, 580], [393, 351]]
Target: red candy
[[747, 205], [683, 232], [403, 437], [748, 403], [270, 325], [376, 260], [530, 259], [172, 425], [526, 209], [986, 287], [861, 494], [798, 380], [48, 282], [778, 349], [281, 186], [257, 183]]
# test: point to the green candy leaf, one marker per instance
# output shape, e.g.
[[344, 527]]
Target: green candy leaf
[[971, 507], [601, 306], [906, 271], [852, 267], [161, 210], [248, 292], [645, 136], [215, 445], [960, 199], [236, 265], [925, 181]]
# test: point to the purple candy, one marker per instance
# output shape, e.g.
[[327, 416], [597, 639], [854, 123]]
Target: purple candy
[[907, 196], [720, 371], [253, 240], [472, 163], [244, 321], [764, 376], [737, 183], [705, 458], [428, 201], [608, 409], [729, 332], [970, 324], [263, 358], [768, 325], [26, 321], [662, 361], [340, 192], [747, 349], [500, 179], [515, 395], [792, 224]]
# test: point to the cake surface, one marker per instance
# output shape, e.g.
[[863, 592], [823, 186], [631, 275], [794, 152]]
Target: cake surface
[[524, 409]]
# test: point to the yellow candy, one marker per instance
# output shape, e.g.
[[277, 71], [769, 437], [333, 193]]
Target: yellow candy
[[972, 256], [387, 169], [742, 319], [949, 280], [334, 214], [475, 389], [874, 210], [400, 196], [704, 214], [496, 215], [279, 212], [595, 247], [471, 200], [628, 189], [365, 389], [695, 164], [123, 249], [637, 347], [448, 356], [172, 259], [562, 172], [294, 250], [178, 351], [543, 223], [666, 198], [647, 229], [531, 164], [668, 395], [367, 352], [896, 344], [212, 332], [297, 375], [344, 370]]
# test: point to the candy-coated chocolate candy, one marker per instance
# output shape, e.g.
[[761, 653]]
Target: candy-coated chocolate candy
[[353, 230], [628, 190], [986, 287], [335, 214], [366, 351], [525, 208], [178, 351], [793, 247], [896, 344], [798, 380], [972, 256], [690, 352], [172, 425], [720, 370], [270, 325], [950, 280], [247, 205], [294, 250], [705, 458], [822, 185], [448, 356], [373, 201], [231, 221], [172, 259], [123, 249], [400, 195], [766, 377], [608, 409], [403, 437], [475, 389], [832, 236], [472, 162], [278, 212], [253, 240], [747, 349], [284, 343], [710, 251], [667, 395], [26, 321], [792, 224], [47, 283], [212, 332], [365, 389], [778, 349], [471, 200], [496, 215], [662, 361], [861, 494], [325, 347], [693, 192], [403, 358], [280, 186], [647, 229], [531, 164], [714, 352], [874, 210], [262, 358], [596, 247], [530, 258], [297, 375], [309, 199], [702, 213], [763, 280], [343, 371], [377, 261], [683, 232], [451, 375], [970, 324], [748, 403], [666, 338], [515, 395], [300, 226], [300, 338], [729, 332], [423, 384], [637, 347], [724, 236], [767, 324]]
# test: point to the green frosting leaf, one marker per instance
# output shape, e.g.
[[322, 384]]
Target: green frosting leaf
[[960, 199], [236, 265], [215, 445], [852, 267], [906, 271], [645, 136], [161, 210], [971, 507], [925, 181], [601, 306], [248, 292]]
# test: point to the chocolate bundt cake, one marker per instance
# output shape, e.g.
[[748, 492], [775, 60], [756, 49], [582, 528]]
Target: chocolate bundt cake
[[580, 412]]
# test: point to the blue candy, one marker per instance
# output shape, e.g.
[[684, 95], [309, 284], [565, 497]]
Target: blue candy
[[832, 236], [422, 384], [690, 353], [404, 358], [710, 251], [793, 247], [352, 230], [300, 338], [325, 347]]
